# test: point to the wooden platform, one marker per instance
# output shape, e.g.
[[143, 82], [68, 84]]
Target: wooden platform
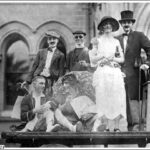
[[35, 139]]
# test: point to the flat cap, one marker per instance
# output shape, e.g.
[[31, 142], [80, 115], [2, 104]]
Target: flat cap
[[79, 32], [52, 34]]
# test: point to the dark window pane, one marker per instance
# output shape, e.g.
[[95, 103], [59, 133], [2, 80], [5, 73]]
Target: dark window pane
[[17, 66]]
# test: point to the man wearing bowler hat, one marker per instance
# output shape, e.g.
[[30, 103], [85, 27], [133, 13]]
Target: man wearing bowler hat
[[78, 58], [132, 42], [49, 62]]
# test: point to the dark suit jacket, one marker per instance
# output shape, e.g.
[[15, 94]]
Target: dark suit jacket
[[56, 68], [136, 41], [27, 106], [76, 55]]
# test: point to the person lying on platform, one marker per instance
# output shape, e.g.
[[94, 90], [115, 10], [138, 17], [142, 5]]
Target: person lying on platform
[[77, 109], [34, 107]]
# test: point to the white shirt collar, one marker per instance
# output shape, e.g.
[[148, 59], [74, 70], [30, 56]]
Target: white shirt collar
[[42, 95], [54, 48]]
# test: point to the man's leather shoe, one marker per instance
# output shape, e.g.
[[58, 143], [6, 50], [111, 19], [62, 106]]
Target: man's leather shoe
[[79, 127], [53, 128], [135, 128]]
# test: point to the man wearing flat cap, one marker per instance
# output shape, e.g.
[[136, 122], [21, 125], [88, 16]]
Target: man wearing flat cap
[[132, 42], [78, 58], [49, 62]]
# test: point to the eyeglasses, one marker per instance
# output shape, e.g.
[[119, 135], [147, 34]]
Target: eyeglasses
[[78, 37]]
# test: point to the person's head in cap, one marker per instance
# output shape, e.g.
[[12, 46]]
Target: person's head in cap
[[79, 37], [127, 20], [108, 25], [52, 38], [71, 83]]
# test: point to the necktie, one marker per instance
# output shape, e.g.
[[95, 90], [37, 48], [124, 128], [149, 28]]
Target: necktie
[[125, 39]]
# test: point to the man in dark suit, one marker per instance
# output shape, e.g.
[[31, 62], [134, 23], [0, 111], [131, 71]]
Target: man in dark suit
[[78, 58], [132, 42], [49, 62]]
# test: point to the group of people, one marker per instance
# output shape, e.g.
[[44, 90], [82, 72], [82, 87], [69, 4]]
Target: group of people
[[115, 63]]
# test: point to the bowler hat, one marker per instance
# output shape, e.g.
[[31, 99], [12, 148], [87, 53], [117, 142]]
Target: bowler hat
[[112, 21], [127, 15], [79, 32], [52, 34]]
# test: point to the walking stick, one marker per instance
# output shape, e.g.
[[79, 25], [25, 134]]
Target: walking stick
[[138, 64], [139, 97]]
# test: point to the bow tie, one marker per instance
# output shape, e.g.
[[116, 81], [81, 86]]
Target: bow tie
[[125, 34], [50, 50]]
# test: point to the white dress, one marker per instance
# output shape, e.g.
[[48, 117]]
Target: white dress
[[108, 81]]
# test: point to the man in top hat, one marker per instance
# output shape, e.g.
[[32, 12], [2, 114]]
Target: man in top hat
[[132, 42], [78, 58], [49, 62]]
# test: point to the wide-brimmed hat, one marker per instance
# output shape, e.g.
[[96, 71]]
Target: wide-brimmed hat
[[51, 33], [112, 21], [127, 15], [79, 32]]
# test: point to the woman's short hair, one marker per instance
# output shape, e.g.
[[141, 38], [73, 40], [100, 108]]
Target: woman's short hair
[[70, 79]]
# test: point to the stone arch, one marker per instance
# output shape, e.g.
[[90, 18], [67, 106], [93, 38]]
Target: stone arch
[[64, 31], [10, 38], [142, 18], [18, 28]]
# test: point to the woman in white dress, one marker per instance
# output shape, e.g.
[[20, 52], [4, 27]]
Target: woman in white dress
[[108, 79]]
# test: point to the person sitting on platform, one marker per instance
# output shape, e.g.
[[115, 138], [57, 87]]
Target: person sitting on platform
[[77, 109], [34, 107]]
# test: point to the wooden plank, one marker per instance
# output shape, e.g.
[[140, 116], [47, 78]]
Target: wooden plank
[[69, 139], [69, 135]]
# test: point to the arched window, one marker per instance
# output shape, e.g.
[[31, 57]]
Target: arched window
[[16, 66]]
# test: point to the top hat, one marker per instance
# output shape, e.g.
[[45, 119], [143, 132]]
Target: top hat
[[112, 21], [79, 32], [127, 15], [51, 33]]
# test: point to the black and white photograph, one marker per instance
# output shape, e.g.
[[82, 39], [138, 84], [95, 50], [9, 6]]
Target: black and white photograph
[[74, 74]]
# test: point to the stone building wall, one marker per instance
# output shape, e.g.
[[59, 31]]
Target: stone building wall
[[29, 21]]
